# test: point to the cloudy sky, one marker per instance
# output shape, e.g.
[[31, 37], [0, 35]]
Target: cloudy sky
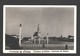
[[52, 20]]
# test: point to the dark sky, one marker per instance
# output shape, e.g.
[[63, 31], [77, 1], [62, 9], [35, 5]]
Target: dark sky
[[52, 20]]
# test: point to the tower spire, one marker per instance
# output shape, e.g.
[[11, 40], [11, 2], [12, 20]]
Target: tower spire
[[38, 28]]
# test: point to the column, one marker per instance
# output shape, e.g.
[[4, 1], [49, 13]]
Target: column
[[47, 38], [39, 40], [34, 41], [20, 35]]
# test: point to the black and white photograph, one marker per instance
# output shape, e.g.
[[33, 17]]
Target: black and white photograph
[[39, 29]]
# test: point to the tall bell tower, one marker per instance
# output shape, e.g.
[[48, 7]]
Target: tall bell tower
[[39, 34]]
